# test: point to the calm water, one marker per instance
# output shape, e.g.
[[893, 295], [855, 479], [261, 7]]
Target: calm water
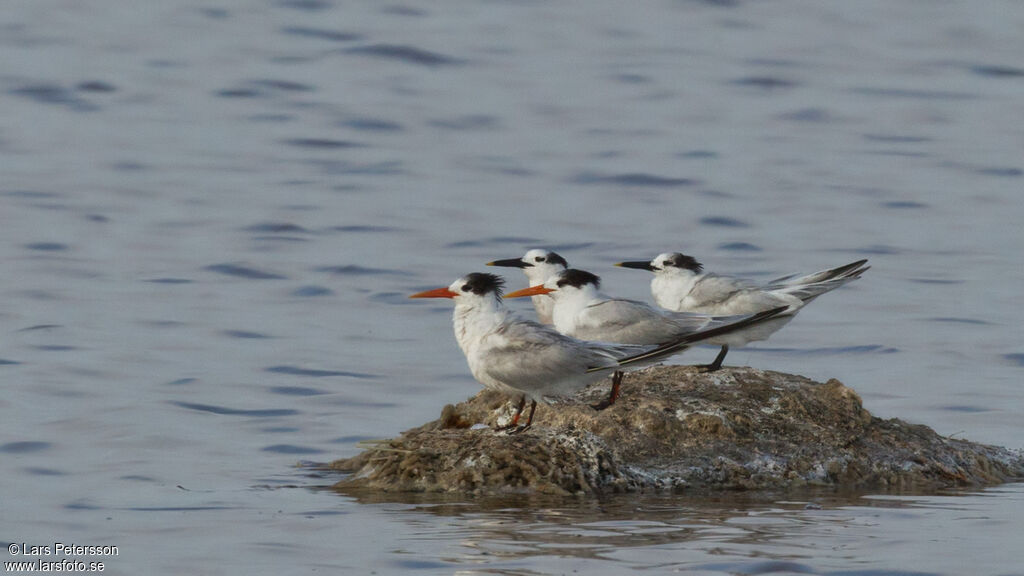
[[211, 213]]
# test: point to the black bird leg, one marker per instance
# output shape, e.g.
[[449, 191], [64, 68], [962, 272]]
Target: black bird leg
[[717, 364]]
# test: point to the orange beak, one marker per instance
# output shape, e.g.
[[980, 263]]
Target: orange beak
[[531, 291], [436, 293]]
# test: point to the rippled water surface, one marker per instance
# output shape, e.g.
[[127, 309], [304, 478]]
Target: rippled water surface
[[211, 214]]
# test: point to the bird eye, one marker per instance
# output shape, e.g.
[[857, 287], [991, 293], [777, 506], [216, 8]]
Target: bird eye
[[466, 288], [539, 258]]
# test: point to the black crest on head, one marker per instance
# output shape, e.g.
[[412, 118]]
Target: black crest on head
[[685, 262], [481, 283], [577, 278], [554, 258]]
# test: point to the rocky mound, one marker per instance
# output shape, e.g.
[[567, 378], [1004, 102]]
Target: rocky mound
[[675, 428]]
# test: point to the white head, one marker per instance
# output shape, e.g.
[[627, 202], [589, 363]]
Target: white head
[[668, 263], [537, 264], [566, 284], [478, 312], [473, 290]]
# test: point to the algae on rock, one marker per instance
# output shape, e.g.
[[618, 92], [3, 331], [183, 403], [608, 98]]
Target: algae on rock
[[676, 428]]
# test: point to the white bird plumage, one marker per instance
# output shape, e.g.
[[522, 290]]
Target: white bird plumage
[[515, 356], [681, 285], [582, 311], [538, 265]]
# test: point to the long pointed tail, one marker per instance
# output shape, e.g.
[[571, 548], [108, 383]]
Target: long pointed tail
[[813, 285], [685, 342]]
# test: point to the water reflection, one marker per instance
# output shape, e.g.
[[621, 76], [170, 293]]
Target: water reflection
[[659, 532], [805, 532]]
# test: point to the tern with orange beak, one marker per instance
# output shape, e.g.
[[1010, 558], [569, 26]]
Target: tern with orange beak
[[519, 357], [681, 285], [582, 311]]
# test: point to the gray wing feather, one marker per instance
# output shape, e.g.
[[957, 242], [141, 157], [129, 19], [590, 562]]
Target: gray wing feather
[[712, 290], [632, 322], [813, 285], [691, 339], [726, 295], [535, 359]]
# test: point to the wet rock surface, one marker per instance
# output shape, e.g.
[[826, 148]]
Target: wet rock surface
[[676, 429]]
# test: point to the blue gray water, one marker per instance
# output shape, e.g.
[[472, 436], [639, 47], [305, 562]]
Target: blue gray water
[[211, 214]]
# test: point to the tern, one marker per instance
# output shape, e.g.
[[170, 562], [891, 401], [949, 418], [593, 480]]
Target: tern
[[516, 356], [582, 311], [681, 285], [538, 265]]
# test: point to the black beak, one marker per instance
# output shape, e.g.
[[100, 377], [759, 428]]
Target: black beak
[[638, 265], [510, 263]]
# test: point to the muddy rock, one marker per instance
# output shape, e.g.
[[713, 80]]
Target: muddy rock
[[677, 429]]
